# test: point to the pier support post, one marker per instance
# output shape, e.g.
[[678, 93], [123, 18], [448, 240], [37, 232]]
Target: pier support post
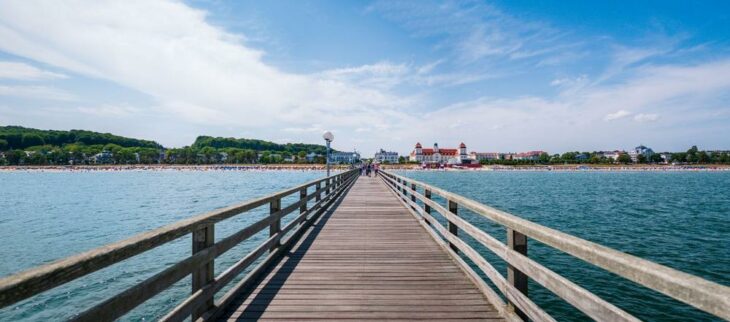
[[427, 208], [275, 227], [453, 229], [517, 242], [202, 239]]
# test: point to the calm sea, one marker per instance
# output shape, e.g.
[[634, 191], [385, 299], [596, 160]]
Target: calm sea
[[677, 219]]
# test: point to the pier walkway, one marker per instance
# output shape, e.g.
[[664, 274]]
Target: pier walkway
[[368, 259]]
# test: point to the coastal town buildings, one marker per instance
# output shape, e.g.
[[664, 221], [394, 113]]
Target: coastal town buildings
[[612, 155], [485, 156], [383, 156], [640, 150], [344, 157], [103, 157], [438, 155], [531, 155]]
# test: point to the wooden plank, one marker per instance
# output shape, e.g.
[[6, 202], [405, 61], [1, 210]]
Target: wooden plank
[[369, 259]]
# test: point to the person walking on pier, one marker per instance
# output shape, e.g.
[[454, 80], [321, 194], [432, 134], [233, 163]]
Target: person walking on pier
[[376, 167], [369, 168]]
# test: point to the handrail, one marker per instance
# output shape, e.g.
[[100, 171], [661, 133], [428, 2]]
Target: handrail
[[33, 281], [705, 295]]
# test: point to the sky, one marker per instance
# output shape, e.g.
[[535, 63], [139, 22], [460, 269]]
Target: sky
[[500, 76]]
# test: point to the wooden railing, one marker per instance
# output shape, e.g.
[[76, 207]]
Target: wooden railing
[[700, 293], [200, 304]]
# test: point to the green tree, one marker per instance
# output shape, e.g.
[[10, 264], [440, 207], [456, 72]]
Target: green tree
[[544, 158], [725, 158], [4, 145], [15, 157], [656, 158], [29, 140], [703, 157], [624, 158]]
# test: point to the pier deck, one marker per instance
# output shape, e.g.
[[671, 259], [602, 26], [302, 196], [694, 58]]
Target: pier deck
[[368, 259]]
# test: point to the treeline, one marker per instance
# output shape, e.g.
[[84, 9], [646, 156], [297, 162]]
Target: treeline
[[256, 145], [691, 156], [25, 146], [17, 137]]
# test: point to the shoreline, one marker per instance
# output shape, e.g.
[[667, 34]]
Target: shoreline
[[169, 167], [405, 167]]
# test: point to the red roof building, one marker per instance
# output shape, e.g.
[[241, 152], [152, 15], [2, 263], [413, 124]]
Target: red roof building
[[439, 155]]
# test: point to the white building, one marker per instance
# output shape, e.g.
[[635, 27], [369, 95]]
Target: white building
[[640, 150], [344, 157], [479, 156], [440, 156], [383, 156], [613, 155]]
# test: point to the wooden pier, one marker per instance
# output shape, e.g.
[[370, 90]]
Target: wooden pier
[[368, 259], [363, 248]]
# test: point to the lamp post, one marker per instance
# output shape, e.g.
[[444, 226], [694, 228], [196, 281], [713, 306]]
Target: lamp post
[[328, 137]]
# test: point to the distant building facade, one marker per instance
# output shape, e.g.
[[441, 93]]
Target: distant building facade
[[383, 156], [104, 157], [531, 155], [612, 155], [485, 156], [640, 150], [438, 155], [344, 157]]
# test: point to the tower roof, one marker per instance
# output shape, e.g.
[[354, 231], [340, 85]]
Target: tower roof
[[462, 145]]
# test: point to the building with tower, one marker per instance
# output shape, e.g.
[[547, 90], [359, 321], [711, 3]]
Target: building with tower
[[439, 156]]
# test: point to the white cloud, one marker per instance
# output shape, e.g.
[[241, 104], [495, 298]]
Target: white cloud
[[108, 110], [646, 117], [21, 71], [36, 92], [193, 70], [617, 115], [204, 79]]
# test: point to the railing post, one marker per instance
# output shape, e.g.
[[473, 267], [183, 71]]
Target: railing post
[[404, 189], [302, 197], [427, 208], [318, 192], [453, 229], [275, 227], [413, 194], [517, 242], [202, 239], [327, 187]]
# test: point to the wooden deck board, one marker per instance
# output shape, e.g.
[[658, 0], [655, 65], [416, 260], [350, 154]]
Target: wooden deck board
[[369, 259]]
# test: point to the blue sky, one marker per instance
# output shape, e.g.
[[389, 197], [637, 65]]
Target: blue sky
[[497, 75]]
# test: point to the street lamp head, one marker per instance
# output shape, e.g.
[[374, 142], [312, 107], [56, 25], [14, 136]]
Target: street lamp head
[[328, 136]]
